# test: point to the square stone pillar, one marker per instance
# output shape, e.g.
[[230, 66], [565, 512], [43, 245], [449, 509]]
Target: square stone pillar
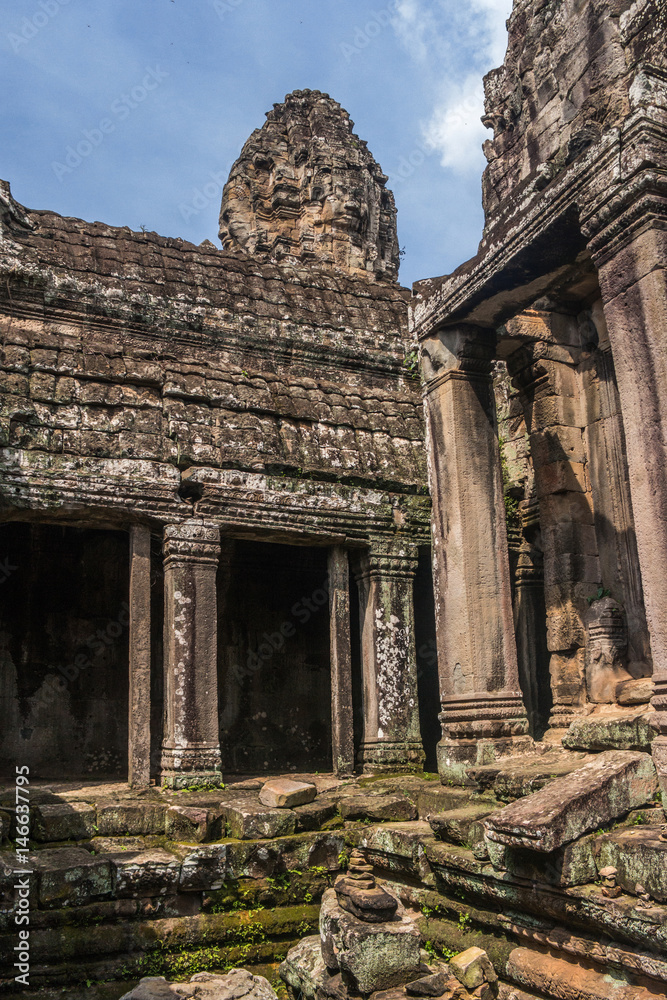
[[551, 396], [482, 708], [342, 721], [191, 744], [385, 576], [139, 727], [629, 246]]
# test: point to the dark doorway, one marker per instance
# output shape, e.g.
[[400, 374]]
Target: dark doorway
[[273, 653], [427, 659], [64, 651]]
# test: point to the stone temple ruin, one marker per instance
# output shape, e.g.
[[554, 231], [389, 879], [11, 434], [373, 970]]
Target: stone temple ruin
[[265, 512]]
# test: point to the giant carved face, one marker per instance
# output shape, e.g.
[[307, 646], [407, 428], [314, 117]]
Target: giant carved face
[[306, 188]]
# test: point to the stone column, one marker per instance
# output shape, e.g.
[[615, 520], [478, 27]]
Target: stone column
[[482, 707], [629, 246], [342, 722], [615, 526], [139, 728], [531, 637], [552, 400], [191, 744], [391, 736]]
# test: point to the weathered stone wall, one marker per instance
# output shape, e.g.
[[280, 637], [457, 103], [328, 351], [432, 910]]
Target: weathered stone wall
[[211, 360], [565, 81]]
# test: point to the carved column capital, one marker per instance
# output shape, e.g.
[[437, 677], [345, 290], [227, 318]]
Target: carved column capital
[[191, 541], [394, 558], [457, 352], [618, 222]]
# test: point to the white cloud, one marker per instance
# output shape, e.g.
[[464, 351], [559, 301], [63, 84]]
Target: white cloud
[[416, 27], [454, 44], [454, 128]]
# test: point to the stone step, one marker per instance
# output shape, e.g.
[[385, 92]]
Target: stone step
[[461, 826], [515, 778], [560, 979], [378, 807], [612, 731], [601, 791], [639, 855], [441, 798]]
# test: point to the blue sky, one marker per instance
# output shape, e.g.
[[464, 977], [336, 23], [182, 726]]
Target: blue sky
[[132, 112]]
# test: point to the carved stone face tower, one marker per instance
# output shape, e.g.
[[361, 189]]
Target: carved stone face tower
[[305, 187]]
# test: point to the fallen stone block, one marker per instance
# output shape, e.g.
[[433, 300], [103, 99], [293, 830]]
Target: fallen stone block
[[118, 819], [250, 820], [284, 793], [440, 799], [519, 777], [63, 821], [144, 873], [638, 691], [313, 815], [630, 731], [400, 839], [304, 969], [248, 785], [262, 858], [639, 855], [398, 848], [203, 869], [434, 985], [70, 876], [472, 968], [572, 864], [557, 977], [599, 792], [239, 984], [461, 826], [188, 823], [378, 807]]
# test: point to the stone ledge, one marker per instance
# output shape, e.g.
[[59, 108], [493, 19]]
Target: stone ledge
[[601, 791]]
